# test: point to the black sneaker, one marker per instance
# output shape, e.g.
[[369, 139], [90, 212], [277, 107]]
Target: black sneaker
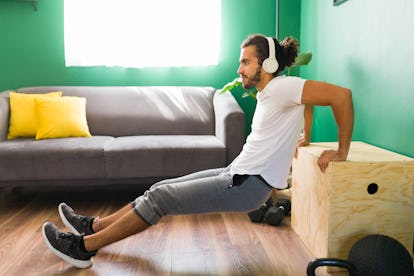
[[76, 223], [67, 246]]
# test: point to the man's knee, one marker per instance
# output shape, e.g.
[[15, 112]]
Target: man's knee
[[150, 206]]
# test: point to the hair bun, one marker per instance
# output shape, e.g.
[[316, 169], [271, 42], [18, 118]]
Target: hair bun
[[290, 49]]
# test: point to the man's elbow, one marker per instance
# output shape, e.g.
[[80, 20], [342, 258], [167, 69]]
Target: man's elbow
[[346, 96], [342, 100]]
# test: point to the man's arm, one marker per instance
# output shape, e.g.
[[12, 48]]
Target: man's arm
[[307, 130], [340, 100]]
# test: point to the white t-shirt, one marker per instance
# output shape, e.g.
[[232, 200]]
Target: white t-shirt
[[276, 127]]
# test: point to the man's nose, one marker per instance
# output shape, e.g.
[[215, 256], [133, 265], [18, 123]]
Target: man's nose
[[239, 70]]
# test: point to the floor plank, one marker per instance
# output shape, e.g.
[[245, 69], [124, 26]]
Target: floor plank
[[212, 244]]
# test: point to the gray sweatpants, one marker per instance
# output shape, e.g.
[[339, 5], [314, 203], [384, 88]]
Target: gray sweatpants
[[207, 191]]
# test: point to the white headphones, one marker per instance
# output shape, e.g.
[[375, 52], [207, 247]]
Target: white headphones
[[270, 65]]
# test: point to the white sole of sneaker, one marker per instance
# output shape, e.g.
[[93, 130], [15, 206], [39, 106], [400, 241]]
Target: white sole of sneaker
[[66, 258], [65, 221]]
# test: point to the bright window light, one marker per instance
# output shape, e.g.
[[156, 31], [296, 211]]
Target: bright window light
[[142, 33]]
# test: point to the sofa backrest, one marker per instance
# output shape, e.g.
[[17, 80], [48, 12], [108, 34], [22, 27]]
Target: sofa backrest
[[143, 110]]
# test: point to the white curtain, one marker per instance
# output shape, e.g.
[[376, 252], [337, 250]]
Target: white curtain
[[142, 33]]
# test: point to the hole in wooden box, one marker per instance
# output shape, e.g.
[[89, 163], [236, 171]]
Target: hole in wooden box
[[372, 188]]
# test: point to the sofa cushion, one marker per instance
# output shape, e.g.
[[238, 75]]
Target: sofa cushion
[[165, 156], [63, 158], [61, 117], [23, 121], [144, 110]]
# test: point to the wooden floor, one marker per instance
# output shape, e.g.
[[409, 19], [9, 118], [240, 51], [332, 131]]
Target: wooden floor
[[213, 244]]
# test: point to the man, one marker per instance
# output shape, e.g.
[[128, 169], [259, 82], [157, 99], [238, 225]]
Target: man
[[284, 109]]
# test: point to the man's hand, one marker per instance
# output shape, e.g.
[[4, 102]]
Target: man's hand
[[301, 143], [328, 156]]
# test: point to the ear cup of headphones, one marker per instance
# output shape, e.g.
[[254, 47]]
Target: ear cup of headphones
[[270, 65]]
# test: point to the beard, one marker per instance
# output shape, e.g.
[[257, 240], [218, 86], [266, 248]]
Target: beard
[[252, 81]]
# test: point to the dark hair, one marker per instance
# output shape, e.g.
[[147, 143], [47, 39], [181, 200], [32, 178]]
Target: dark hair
[[286, 50]]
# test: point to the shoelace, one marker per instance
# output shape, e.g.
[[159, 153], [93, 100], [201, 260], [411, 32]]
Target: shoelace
[[72, 245], [65, 236], [82, 219]]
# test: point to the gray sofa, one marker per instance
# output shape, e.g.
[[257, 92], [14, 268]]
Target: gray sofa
[[139, 135]]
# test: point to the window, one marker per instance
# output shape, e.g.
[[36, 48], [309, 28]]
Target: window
[[142, 33]]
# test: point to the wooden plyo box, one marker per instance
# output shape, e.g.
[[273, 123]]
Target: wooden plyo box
[[370, 193]]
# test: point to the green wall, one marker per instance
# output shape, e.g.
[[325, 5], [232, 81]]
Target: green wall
[[32, 50], [289, 19], [367, 46]]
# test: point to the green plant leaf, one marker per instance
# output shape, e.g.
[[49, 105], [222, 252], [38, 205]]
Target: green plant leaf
[[231, 85], [302, 59]]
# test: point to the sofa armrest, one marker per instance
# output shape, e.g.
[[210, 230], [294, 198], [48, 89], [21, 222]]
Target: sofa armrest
[[230, 128], [4, 115]]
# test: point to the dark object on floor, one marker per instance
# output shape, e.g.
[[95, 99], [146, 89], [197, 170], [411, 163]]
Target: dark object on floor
[[373, 255], [271, 213]]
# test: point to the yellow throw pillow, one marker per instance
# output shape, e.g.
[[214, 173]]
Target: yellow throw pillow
[[61, 117], [23, 113]]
